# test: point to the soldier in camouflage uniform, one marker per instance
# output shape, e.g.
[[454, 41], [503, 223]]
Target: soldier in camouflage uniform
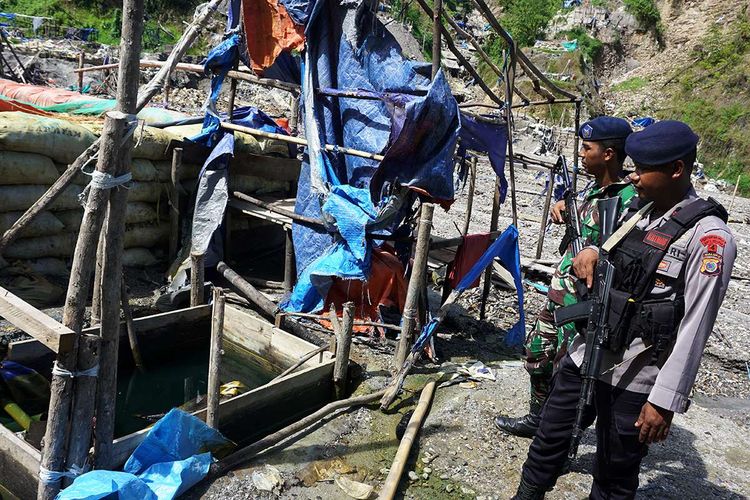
[[602, 154]]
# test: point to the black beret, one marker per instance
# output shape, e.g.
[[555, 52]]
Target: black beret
[[602, 128], [661, 143]]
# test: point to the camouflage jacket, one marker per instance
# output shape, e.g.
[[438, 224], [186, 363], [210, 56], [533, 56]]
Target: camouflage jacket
[[562, 287]]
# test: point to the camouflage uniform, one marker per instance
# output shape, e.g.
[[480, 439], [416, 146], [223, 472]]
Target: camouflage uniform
[[545, 343]]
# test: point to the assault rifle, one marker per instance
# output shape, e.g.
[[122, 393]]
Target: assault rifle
[[572, 224], [596, 311]]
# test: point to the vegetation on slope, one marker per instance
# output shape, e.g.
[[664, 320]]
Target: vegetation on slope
[[712, 96]]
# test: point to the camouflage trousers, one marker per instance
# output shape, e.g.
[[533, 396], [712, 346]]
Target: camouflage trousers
[[545, 346]]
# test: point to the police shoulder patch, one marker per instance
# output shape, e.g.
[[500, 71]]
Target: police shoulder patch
[[712, 242], [711, 264]]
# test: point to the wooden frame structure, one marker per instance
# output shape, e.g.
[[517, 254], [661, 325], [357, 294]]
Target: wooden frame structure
[[307, 388]]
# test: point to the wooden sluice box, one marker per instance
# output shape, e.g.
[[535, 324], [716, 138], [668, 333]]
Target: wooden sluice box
[[175, 348]]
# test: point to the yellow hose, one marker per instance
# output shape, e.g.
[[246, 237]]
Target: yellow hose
[[17, 414]]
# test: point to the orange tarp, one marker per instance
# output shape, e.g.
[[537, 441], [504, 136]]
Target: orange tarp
[[385, 288], [269, 31]]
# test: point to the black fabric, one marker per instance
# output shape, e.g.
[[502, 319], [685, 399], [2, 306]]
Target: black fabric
[[619, 453], [636, 259]]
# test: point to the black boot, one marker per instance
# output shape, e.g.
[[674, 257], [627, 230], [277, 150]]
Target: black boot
[[528, 491], [525, 426]]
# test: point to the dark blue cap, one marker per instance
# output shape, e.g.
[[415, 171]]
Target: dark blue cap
[[602, 128], [661, 143]]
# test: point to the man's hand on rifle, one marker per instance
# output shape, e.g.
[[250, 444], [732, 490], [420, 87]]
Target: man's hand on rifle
[[654, 423], [557, 212], [584, 265]]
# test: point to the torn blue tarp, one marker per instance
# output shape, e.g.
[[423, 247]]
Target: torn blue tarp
[[413, 123], [174, 456], [299, 10], [505, 249], [218, 63], [486, 136]]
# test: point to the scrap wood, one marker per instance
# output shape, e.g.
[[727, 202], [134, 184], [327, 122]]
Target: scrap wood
[[245, 454], [402, 454]]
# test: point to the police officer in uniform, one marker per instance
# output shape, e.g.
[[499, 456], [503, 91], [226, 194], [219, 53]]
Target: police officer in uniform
[[602, 155], [671, 274]]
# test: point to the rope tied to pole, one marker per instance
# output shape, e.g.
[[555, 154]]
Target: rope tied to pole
[[62, 372], [47, 476]]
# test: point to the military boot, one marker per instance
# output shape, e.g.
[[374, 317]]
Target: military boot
[[525, 426], [528, 491]]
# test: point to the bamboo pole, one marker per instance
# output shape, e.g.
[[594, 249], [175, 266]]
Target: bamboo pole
[[214, 360], [409, 316], [470, 196], [128, 101], [197, 278], [388, 491], [734, 193], [236, 74], [174, 202], [436, 30], [146, 94], [244, 454], [302, 142], [343, 348]]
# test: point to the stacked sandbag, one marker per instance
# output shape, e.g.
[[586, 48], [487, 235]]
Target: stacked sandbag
[[35, 150]]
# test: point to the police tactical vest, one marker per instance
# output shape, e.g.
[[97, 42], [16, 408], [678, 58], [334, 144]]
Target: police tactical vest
[[634, 312]]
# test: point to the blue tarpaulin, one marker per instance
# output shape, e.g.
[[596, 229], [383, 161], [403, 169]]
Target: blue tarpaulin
[[174, 456], [486, 137], [413, 123], [644, 121], [504, 248]]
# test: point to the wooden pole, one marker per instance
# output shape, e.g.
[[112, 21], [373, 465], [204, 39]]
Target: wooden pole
[[343, 347], [114, 234], [301, 361], [402, 454], [488, 273], [302, 142], [130, 327], [470, 197], [82, 411], [197, 278], [734, 193], [409, 316], [96, 299], [294, 115], [289, 271], [576, 145], [148, 92], [436, 41], [244, 454], [545, 214], [174, 202], [214, 360], [80, 74]]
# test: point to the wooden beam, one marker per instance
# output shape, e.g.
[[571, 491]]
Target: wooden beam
[[34, 322]]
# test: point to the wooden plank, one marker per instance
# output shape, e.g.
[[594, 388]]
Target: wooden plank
[[24, 351], [19, 464], [31, 320], [277, 348]]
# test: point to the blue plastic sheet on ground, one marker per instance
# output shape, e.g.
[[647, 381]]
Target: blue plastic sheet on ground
[[413, 123], [570, 45], [486, 137], [174, 456], [505, 249]]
